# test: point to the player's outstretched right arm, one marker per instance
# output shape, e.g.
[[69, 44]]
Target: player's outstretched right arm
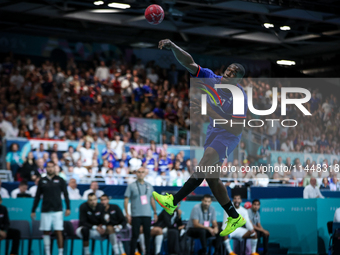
[[183, 57]]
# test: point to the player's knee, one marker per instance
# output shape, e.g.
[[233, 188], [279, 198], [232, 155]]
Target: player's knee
[[85, 231]]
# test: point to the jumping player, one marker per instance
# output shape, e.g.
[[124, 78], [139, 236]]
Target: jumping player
[[220, 140]]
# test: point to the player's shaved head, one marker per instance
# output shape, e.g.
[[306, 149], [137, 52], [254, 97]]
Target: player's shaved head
[[235, 70]]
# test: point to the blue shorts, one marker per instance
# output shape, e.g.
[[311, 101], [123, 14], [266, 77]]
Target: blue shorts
[[220, 144]]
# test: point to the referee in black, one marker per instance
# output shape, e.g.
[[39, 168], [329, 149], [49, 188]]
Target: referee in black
[[51, 187]]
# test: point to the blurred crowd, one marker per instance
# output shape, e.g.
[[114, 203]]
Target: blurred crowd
[[92, 103]]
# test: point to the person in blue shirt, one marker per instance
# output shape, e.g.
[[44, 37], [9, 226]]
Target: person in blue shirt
[[263, 152], [221, 140], [109, 155], [150, 163], [164, 162]]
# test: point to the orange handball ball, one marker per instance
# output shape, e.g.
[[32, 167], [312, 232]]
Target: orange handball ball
[[154, 14]]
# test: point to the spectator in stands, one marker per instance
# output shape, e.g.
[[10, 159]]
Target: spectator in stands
[[86, 153], [21, 191], [14, 159], [263, 152], [324, 185], [73, 192], [6, 232], [255, 219], [308, 176], [275, 143], [94, 188], [337, 216], [246, 232], [28, 171], [287, 145], [33, 190], [109, 155], [3, 191], [40, 166], [139, 193], [117, 146], [164, 162], [262, 177], [322, 143], [80, 172], [39, 152], [311, 190], [334, 184], [135, 163], [92, 224], [243, 151], [102, 72], [114, 217], [279, 166], [202, 224]]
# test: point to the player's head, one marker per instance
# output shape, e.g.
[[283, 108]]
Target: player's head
[[237, 200], [235, 70], [104, 200], [206, 201], [255, 206], [92, 200], [50, 169]]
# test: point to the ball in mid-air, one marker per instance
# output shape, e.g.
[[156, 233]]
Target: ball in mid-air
[[154, 14]]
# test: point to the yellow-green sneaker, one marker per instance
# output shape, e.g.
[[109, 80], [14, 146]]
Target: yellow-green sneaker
[[233, 224], [166, 201]]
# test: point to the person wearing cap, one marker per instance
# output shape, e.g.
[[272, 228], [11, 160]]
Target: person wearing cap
[[139, 193]]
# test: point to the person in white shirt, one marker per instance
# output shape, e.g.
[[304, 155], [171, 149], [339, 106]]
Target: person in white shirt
[[240, 233], [153, 76], [287, 146], [262, 178], [86, 153], [73, 192], [135, 163], [337, 216], [102, 72], [94, 188], [334, 185], [33, 189], [279, 167], [21, 190], [79, 170], [117, 146], [3, 191], [311, 190]]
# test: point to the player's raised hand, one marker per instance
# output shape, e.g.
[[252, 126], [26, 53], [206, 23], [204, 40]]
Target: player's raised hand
[[166, 43]]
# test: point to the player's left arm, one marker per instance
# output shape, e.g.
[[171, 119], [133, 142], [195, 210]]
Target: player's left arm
[[66, 197]]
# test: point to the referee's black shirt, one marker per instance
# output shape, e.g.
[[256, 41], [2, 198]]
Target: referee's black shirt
[[89, 217], [51, 190], [116, 215]]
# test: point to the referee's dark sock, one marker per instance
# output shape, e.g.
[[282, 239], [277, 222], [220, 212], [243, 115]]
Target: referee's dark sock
[[230, 210], [189, 186]]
